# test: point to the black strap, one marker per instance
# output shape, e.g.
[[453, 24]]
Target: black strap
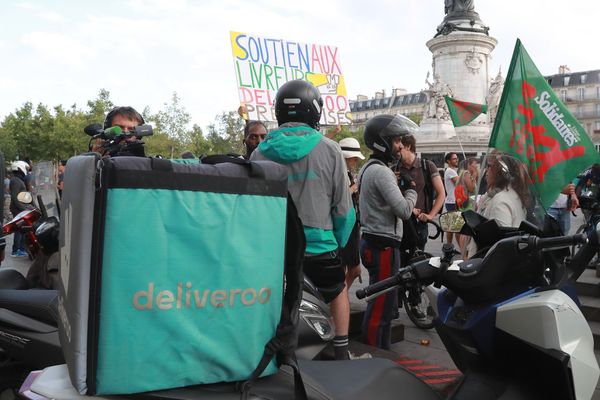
[[369, 163], [275, 346], [255, 169], [428, 184]]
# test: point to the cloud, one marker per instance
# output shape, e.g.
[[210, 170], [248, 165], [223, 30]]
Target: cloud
[[51, 16], [58, 47]]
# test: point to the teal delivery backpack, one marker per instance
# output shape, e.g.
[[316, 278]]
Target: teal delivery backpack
[[175, 274]]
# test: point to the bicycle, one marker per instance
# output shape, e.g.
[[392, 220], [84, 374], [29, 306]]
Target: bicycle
[[591, 213], [414, 297]]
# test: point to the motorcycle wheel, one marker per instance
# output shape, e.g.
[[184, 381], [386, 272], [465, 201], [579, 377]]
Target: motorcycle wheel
[[421, 312]]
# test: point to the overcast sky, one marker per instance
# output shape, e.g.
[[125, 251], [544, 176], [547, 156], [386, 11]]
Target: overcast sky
[[141, 51]]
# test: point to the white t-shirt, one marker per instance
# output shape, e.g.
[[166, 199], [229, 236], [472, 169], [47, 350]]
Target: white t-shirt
[[450, 185], [561, 201]]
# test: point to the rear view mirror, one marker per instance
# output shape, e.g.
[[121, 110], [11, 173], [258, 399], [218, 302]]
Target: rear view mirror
[[452, 221], [25, 197]]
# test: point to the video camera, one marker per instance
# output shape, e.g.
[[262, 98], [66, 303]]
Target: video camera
[[114, 140]]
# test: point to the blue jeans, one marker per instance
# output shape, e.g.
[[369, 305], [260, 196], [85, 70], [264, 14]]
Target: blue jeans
[[563, 216]]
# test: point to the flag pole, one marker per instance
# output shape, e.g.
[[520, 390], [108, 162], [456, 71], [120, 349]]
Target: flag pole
[[460, 144]]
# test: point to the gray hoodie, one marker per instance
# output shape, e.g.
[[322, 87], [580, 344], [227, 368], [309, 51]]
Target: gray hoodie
[[382, 204]]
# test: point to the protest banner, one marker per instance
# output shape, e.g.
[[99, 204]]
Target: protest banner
[[262, 65]]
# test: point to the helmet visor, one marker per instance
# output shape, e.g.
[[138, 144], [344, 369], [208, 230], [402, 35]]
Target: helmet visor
[[399, 126]]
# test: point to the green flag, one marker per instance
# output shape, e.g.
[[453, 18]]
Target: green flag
[[533, 125], [463, 112]]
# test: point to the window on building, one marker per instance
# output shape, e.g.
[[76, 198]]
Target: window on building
[[566, 80], [579, 111], [598, 110], [598, 92], [563, 95], [597, 126], [583, 78], [581, 93]]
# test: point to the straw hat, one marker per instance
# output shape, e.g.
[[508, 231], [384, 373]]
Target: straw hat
[[351, 148]]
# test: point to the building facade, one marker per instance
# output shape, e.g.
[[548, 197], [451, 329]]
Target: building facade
[[580, 92]]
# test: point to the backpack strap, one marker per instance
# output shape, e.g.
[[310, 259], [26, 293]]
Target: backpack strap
[[369, 163], [284, 344], [428, 184]]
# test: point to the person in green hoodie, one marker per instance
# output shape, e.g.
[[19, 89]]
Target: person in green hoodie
[[318, 184]]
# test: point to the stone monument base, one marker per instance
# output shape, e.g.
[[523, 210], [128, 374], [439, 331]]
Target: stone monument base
[[434, 129]]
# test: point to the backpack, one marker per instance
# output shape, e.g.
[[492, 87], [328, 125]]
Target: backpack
[[460, 196], [430, 193], [154, 256]]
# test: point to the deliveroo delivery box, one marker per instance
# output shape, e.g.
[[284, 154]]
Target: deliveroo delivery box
[[171, 274]]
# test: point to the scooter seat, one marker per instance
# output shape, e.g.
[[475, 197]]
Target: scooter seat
[[12, 279], [40, 305], [374, 378]]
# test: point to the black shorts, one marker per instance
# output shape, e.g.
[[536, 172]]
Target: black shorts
[[351, 253], [326, 272]]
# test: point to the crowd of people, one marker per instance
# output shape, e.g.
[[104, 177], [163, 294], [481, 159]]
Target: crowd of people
[[367, 217]]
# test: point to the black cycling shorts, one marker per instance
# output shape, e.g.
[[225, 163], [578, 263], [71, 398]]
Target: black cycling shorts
[[326, 272], [351, 253]]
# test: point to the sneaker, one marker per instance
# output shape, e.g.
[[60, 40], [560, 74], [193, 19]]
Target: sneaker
[[359, 357], [21, 253], [14, 254]]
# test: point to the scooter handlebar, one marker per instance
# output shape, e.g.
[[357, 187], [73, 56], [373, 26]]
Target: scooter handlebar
[[560, 241], [381, 285]]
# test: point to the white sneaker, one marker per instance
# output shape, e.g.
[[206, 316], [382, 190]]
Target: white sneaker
[[357, 357]]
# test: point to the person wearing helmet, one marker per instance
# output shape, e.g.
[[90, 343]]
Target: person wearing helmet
[[17, 185], [318, 185], [383, 206]]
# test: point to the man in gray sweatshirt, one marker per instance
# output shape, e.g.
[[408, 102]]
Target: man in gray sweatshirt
[[383, 206], [318, 184]]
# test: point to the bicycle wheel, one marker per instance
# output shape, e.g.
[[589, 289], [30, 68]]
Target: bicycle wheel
[[417, 306]]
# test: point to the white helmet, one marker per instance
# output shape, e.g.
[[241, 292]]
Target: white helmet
[[19, 166]]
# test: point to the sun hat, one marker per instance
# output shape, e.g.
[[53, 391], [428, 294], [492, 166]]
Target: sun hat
[[351, 148]]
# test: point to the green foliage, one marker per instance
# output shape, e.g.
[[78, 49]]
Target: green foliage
[[226, 134], [415, 117], [44, 133]]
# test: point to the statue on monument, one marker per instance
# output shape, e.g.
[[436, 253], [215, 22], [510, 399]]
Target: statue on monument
[[451, 6], [493, 97], [436, 107], [460, 15]]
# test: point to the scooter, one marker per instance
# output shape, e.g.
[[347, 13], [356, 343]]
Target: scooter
[[28, 330], [511, 319], [490, 319]]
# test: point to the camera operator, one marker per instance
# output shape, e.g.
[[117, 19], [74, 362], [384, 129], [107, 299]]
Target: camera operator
[[126, 118]]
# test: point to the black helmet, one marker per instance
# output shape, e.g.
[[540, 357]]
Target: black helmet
[[382, 129], [298, 101], [47, 235]]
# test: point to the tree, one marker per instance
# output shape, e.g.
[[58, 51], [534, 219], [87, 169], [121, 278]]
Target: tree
[[226, 135], [415, 117], [99, 107], [173, 120]]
